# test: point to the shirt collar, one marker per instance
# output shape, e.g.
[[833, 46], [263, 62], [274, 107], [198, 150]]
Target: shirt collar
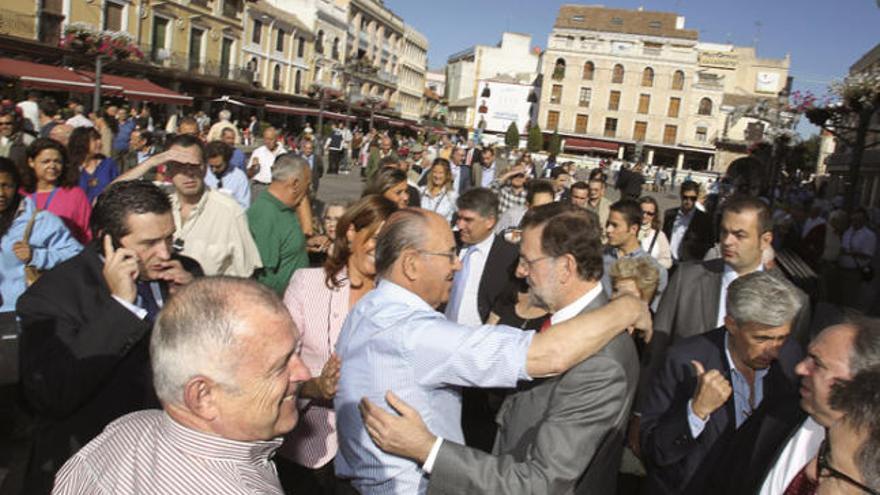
[[399, 294], [688, 215], [199, 444], [730, 274], [577, 306], [485, 245], [175, 201]]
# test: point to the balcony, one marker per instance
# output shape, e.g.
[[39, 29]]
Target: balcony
[[160, 57]]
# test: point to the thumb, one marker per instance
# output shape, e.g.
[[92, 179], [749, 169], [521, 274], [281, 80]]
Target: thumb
[[698, 368], [398, 404]]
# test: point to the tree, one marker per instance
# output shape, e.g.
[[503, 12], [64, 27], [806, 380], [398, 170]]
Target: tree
[[536, 139], [511, 138], [555, 145], [804, 155]]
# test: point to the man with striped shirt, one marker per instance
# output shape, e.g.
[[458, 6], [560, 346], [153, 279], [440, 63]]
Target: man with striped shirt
[[227, 374]]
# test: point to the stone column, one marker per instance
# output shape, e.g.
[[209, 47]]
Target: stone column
[[679, 163]]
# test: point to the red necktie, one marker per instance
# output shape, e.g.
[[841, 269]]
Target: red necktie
[[546, 324], [801, 484]]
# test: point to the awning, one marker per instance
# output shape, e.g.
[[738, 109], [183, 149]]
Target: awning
[[274, 107], [582, 144], [144, 90], [48, 77]]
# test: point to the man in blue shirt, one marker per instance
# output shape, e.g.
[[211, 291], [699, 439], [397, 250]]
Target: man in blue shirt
[[123, 135], [395, 339], [237, 160], [223, 177]]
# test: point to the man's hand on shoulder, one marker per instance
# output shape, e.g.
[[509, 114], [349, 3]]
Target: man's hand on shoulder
[[404, 435]]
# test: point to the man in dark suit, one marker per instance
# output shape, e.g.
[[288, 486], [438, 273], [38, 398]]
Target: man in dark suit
[[710, 384], [86, 325], [316, 163], [688, 229], [776, 448], [562, 434], [488, 270]]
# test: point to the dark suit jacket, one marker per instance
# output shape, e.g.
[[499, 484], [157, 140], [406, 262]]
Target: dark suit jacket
[[499, 273], [698, 238], [560, 435], [689, 306], [754, 449], [415, 199], [672, 456], [84, 361]]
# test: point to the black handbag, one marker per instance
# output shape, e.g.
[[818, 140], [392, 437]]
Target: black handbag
[[8, 348]]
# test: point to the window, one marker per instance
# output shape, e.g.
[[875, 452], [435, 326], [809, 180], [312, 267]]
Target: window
[[589, 69], [610, 127], [556, 93], [300, 47], [297, 82], [552, 120], [705, 107], [577, 18], [617, 74], [113, 16], [279, 41], [701, 134], [584, 97], [257, 32], [559, 69], [231, 8], [160, 37], [654, 24], [648, 77], [276, 78], [319, 42], [674, 106], [678, 80], [644, 103], [640, 129], [335, 52], [195, 48], [614, 100], [669, 133], [225, 56], [580, 124]]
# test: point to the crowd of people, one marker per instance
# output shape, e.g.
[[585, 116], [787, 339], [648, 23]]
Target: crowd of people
[[192, 318]]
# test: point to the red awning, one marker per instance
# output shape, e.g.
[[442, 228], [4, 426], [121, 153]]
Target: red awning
[[144, 90], [583, 144], [48, 77], [273, 107]]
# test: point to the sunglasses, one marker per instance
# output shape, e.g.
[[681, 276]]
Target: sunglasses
[[688, 197], [649, 213]]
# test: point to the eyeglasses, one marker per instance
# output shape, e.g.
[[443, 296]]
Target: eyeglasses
[[649, 213], [450, 255], [529, 263], [826, 471]]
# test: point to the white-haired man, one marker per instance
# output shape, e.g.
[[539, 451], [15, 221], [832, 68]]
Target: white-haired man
[[216, 131], [226, 370]]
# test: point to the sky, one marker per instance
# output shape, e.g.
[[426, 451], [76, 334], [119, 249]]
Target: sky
[[823, 37]]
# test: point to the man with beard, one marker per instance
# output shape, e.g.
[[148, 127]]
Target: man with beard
[[558, 435]]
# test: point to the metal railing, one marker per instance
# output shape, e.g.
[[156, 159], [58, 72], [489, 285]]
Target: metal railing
[[161, 57]]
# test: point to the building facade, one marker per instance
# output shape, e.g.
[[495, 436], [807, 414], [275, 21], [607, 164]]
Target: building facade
[[277, 48], [639, 85], [512, 60], [410, 96]]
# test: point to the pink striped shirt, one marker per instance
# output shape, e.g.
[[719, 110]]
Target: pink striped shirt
[[319, 313], [147, 452]]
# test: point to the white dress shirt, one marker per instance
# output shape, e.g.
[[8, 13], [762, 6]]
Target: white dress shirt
[[468, 314], [800, 449], [861, 241], [266, 159], [575, 308], [679, 228]]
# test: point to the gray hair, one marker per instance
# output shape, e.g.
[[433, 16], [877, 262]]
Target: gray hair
[[225, 115], [198, 332], [404, 229], [759, 297], [865, 352], [288, 165]]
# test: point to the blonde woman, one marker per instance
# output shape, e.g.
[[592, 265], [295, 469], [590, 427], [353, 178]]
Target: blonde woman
[[437, 195]]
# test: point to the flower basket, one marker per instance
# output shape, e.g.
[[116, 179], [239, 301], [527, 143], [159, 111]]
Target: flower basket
[[113, 45]]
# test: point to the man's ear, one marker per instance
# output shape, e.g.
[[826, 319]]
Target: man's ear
[[200, 396], [409, 264]]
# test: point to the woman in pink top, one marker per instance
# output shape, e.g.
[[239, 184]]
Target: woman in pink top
[[51, 183], [319, 299]]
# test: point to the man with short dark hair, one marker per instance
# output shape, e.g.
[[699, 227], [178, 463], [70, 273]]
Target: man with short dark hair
[[237, 159], [563, 434], [596, 200], [315, 161], [622, 233], [579, 194], [688, 229], [86, 325], [223, 177], [48, 108], [488, 169], [560, 178]]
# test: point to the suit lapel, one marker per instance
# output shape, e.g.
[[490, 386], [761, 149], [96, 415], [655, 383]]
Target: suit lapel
[[710, 291]]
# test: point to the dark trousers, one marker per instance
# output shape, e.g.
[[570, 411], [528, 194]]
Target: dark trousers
[[296, 479], [335, 157]]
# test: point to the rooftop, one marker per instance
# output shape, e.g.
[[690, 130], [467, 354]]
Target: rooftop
[[598, 18]]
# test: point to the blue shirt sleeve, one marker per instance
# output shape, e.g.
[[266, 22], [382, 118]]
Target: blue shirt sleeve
[[696, 424], [446, 353]]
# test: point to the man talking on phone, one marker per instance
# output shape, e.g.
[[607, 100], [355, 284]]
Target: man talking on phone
[[86, 325]]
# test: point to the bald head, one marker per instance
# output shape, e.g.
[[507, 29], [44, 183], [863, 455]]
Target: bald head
[[61, 133]]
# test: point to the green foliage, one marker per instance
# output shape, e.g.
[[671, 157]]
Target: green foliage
[[555, 145], [803, 156], [511, 137], [536, 139]]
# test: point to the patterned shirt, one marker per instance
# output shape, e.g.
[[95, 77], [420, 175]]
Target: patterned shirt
[[393, 340], [147, 452], [507, 196]]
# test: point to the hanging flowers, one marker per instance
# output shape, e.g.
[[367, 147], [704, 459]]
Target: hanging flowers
[[114, 45]]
